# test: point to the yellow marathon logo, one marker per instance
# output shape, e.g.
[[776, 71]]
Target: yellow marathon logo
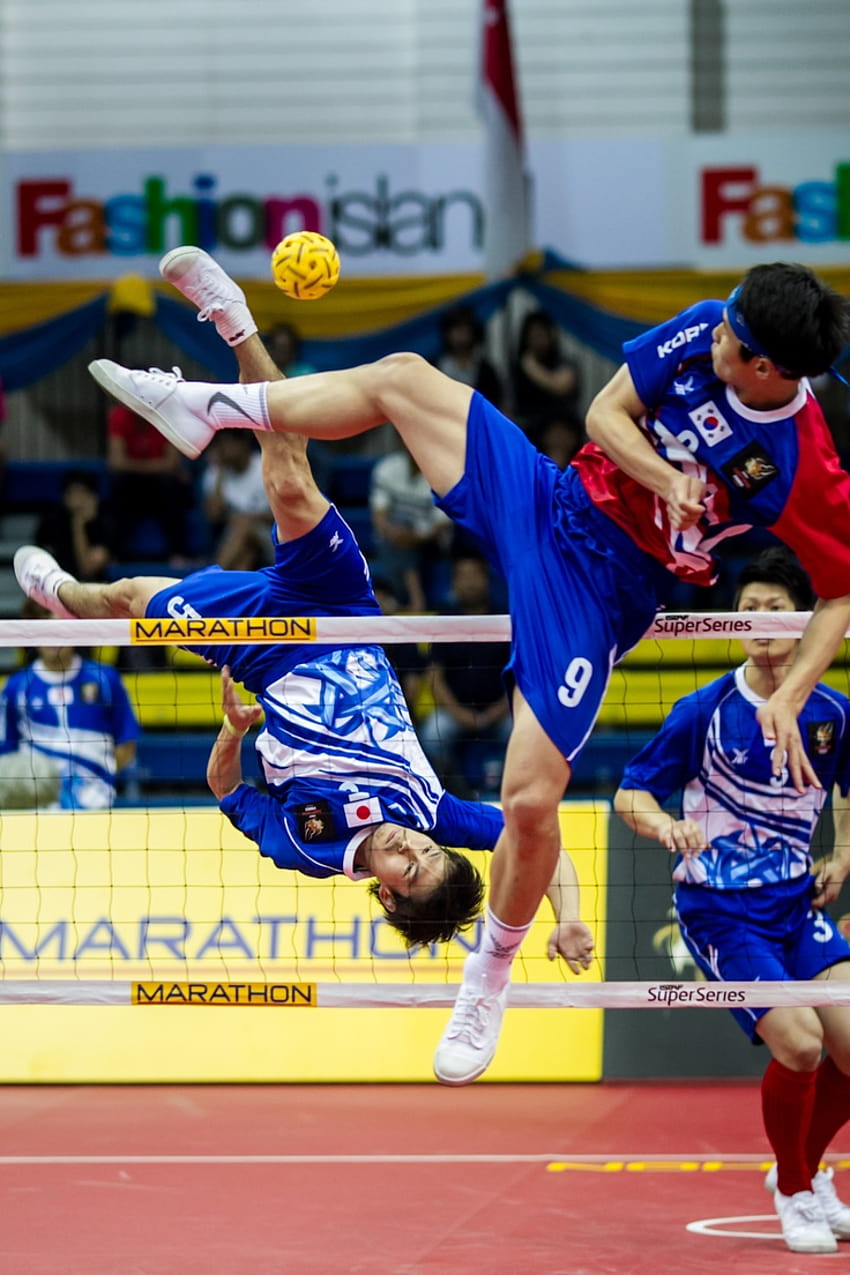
[[212, 632], [282, 995]]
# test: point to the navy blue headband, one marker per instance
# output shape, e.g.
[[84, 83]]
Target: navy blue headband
[[744, 333]]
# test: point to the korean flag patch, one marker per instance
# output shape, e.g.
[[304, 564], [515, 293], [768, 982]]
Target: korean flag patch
[[362, 811]]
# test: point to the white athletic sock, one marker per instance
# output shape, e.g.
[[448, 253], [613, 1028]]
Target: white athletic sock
[[229, 406], [500, 944], [235, 323]]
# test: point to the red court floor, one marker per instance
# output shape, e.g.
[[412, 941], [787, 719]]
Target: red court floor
[[391, 1180]]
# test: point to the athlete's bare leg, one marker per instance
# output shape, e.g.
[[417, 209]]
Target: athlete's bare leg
[[296, 503]]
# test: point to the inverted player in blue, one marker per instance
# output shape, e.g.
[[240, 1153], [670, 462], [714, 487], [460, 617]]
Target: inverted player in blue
[[348, 787], [749, 901], [708, 427]]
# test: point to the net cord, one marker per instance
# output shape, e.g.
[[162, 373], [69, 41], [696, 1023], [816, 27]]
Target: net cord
[[349, 630], [625, 995]]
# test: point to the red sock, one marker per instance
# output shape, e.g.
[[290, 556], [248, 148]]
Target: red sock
[[830, 1112], [787, 1100]]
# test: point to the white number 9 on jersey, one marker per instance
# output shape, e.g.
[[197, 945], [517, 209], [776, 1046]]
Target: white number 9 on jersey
[[576, 681]]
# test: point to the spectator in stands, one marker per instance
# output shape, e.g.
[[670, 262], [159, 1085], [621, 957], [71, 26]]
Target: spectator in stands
[[411, 534], [545, 383], [284, 346], [235, 502], [560, 440], [77, 532], [76, 713], [149, 481], [462, 353], [470, 704]]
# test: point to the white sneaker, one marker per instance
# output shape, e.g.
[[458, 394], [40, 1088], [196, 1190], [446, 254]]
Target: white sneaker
[[804, 1227], [202, 280], [469, 1042], [39, 575], [156, 396], [835, 1211]]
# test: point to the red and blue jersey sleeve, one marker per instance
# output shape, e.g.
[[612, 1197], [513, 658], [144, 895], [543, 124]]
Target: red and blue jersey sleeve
[[815, 521]]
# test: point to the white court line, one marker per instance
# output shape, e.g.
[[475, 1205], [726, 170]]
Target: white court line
[[534, 1158]]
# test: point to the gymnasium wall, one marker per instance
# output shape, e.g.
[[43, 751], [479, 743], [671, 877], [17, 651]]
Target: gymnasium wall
[[187, 72]]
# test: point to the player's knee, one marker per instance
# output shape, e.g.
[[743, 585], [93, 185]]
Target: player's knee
[[398, 377], [530, 813], [803, 1051]]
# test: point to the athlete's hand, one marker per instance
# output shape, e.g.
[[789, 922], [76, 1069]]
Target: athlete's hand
[[684, 837], [242, 716], [781, 733], [574, 942], [684, 501], [829, 875]]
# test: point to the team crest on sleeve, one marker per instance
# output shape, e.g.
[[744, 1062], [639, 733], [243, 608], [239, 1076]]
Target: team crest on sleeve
[[362, 811], [711, 423], [821, 738], [751, 470], [314, 820]]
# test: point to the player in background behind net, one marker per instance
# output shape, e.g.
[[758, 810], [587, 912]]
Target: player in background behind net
[[710, 426], [348, 787], [749, 901]]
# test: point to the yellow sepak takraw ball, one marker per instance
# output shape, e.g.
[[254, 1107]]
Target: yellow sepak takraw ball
[[305, 265]]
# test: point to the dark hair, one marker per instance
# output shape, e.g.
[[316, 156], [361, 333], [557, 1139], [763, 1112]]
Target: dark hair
[[463, 315], [802, 322], [777, 565], [534, 319], [448, 910], [82, 478]]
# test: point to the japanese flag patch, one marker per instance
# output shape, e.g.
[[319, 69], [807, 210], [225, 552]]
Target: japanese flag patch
[[361, 811]]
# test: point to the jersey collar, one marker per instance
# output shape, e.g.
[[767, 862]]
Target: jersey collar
[[745, 689], [797, 404], [54, 677]]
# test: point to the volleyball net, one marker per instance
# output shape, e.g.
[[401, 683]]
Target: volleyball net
[[160, 901]]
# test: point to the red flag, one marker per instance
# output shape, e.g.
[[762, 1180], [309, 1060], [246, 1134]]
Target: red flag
[[506, 233]]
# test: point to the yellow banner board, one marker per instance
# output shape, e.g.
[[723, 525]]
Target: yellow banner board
[[281, 995], [221, 632], [174, 899]]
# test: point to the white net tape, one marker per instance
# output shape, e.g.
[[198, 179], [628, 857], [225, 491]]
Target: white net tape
[[636, 995], [354, 629]]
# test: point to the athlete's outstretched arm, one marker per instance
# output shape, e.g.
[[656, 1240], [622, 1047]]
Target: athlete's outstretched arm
[[570, 938], [821, 640], [643, 814], [224, 768]]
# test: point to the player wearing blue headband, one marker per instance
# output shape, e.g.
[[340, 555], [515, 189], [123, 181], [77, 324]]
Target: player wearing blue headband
[[696, 439]]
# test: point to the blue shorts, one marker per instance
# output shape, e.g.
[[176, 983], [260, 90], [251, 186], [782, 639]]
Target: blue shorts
[[770, 933], [322, 573], [581, 593]]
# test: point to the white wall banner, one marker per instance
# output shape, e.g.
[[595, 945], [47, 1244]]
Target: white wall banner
[[709, 202]]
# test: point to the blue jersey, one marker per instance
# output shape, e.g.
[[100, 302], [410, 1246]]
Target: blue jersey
[[75, 718], [761, 468], [338, 751], [711, 748], [340, 755]]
